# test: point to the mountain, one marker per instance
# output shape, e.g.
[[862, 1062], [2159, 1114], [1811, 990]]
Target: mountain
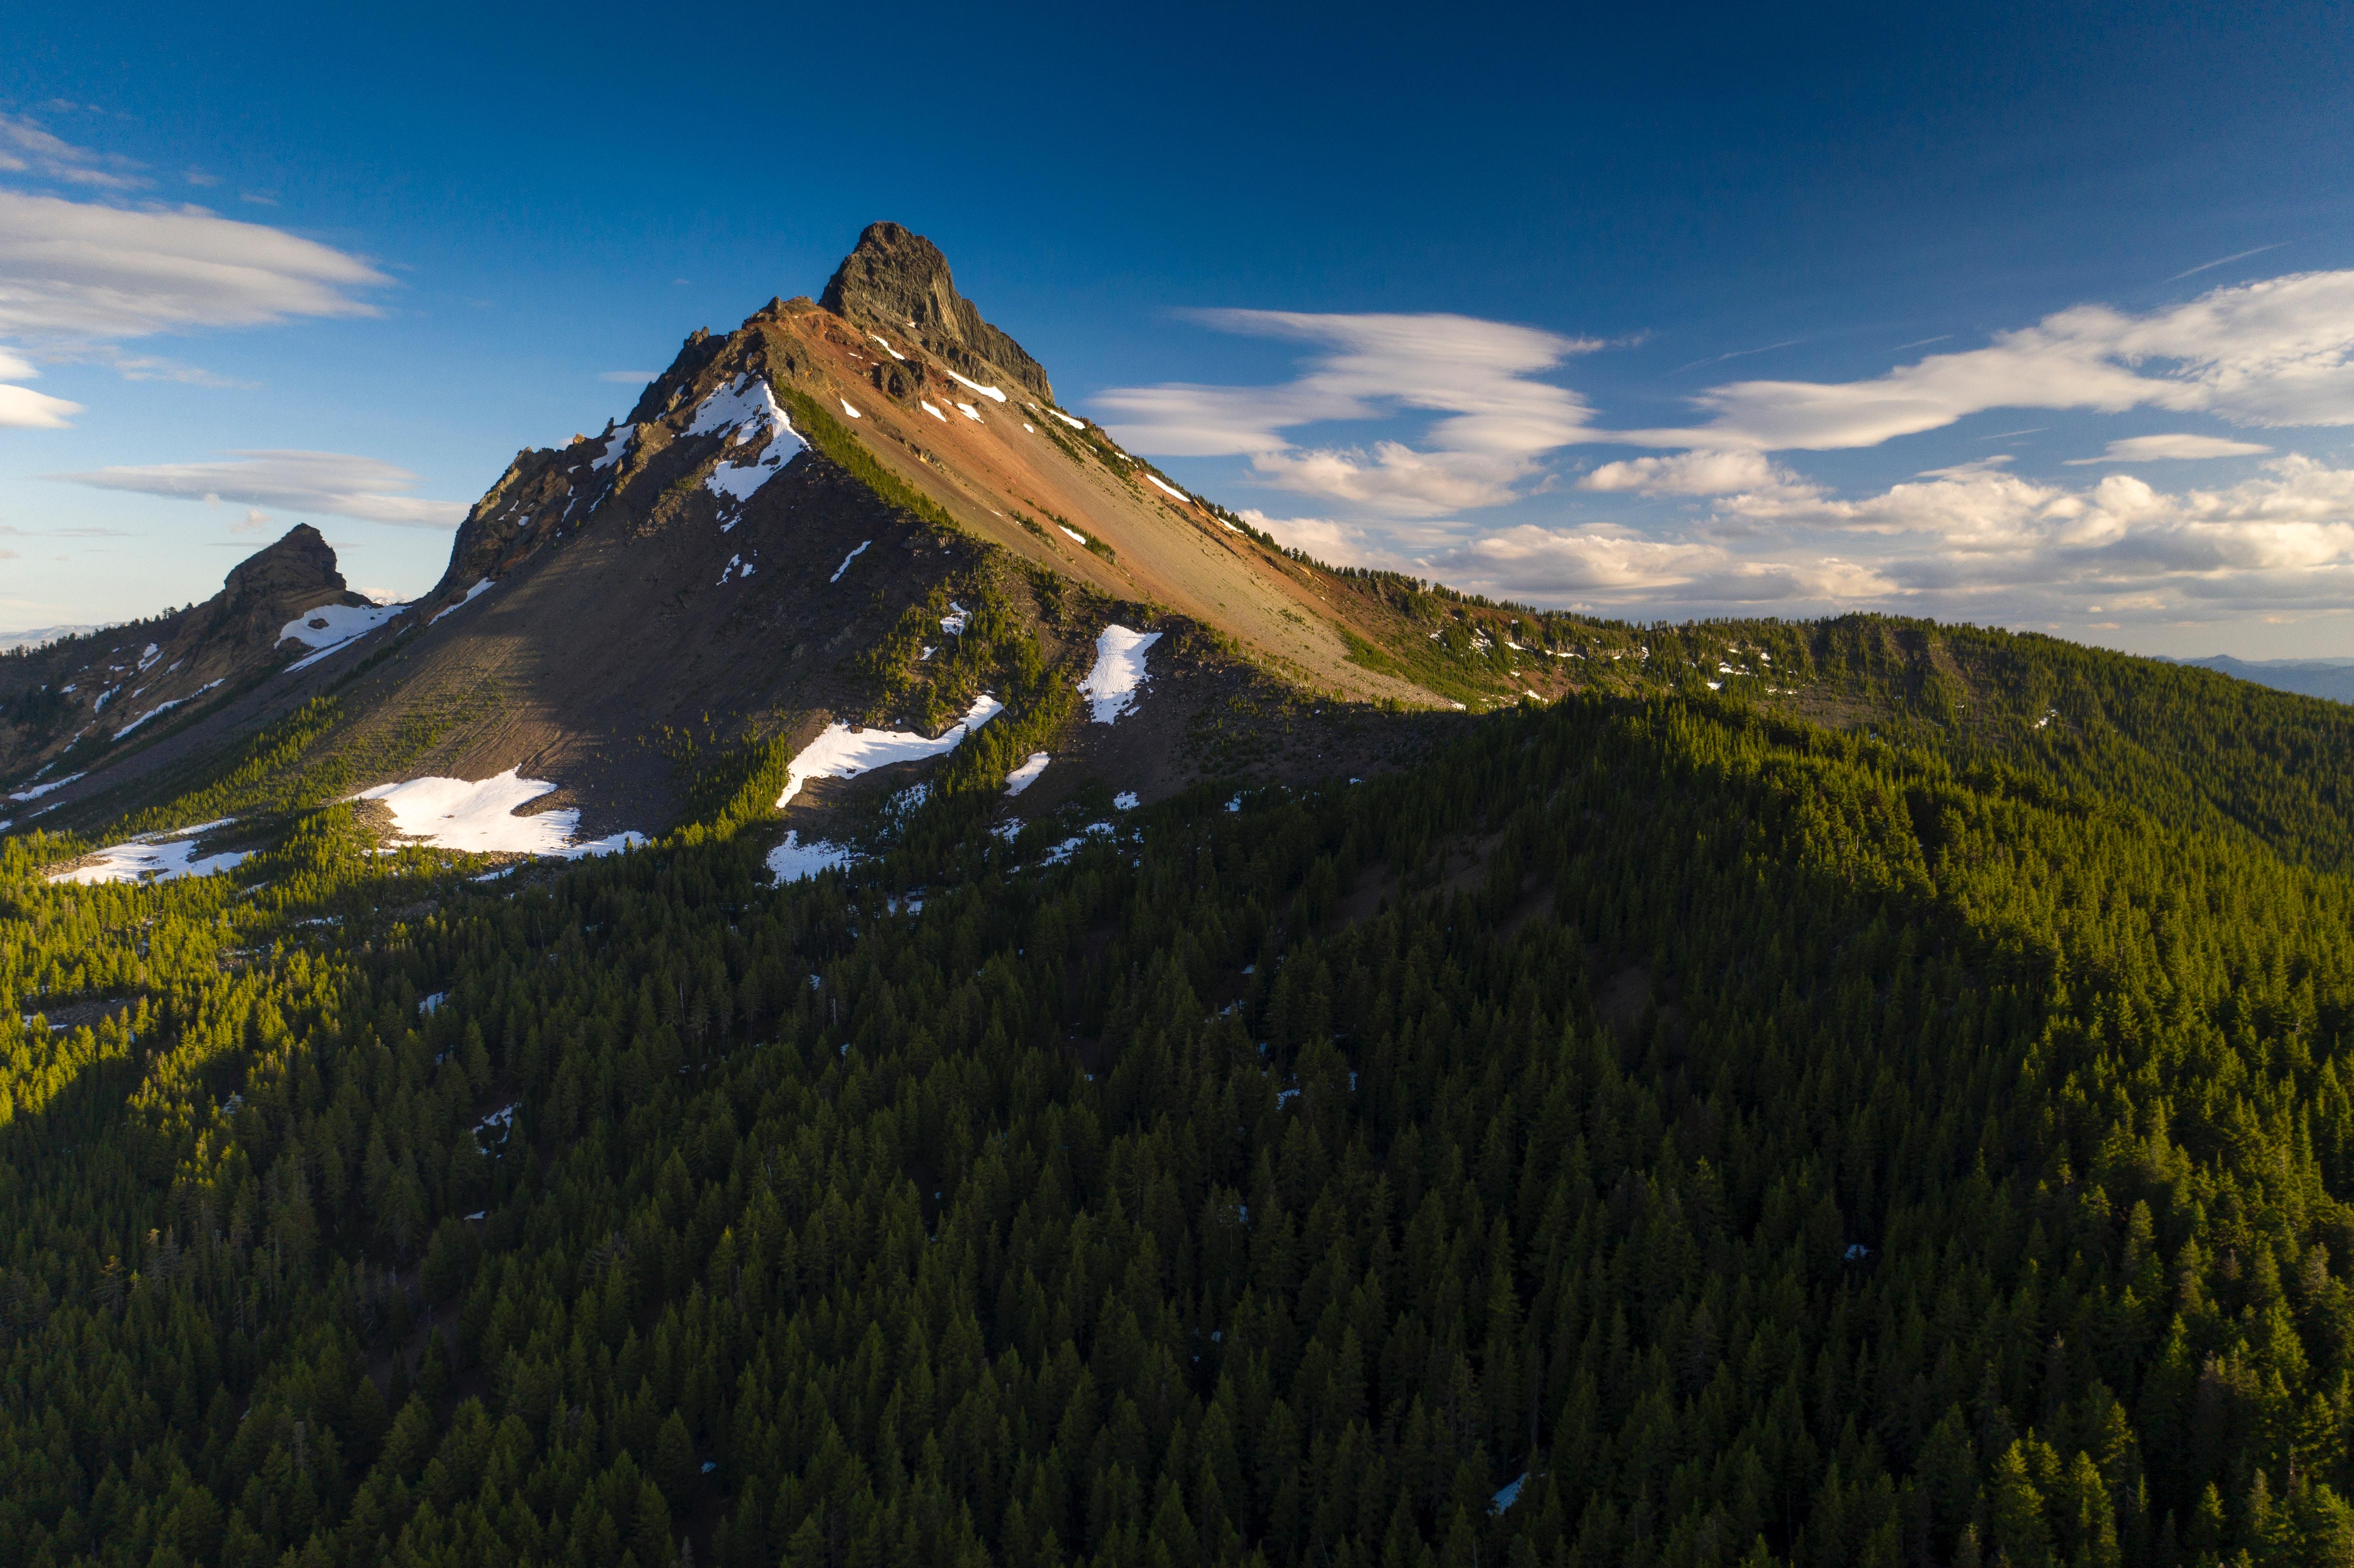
[[76, 700], [12, 641], [1021, 1024], [2330, 678], [780, 530]]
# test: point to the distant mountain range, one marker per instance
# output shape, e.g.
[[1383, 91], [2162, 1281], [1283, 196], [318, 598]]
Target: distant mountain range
[[2331, 678], [39, 636]]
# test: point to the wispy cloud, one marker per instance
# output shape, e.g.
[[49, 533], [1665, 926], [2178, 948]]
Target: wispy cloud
[[26, 148], [334, 483], [2145, 449], [2278, 353], [1736, 353], [81, 269], [21, 407], [2224, 261], [1495, 419]]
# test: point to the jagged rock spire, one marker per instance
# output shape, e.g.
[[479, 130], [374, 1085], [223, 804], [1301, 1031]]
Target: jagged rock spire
[[897, 281]]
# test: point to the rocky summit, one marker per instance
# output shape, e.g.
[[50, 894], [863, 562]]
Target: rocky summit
[[899, 281]]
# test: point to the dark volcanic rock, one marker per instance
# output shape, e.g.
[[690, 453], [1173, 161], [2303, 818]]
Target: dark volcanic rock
[[270, 587], [899, 281]]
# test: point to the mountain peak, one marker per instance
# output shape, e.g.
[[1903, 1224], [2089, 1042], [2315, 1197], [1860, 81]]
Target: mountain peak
[[300, 562], [899, 281]]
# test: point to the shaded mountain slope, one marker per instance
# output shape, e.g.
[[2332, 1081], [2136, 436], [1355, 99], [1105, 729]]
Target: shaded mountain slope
[[116, 690]]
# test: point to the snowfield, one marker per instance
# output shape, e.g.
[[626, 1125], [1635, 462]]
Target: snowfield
[[793, 860], [1119, 671], [842, 752], [331, 626], [151, 858], [478, 817], [748, 408], [1075, 424], [1022, 778], [1171, 489]]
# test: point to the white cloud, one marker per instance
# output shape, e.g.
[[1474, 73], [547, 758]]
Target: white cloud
[[2286, 535], [1608, 564], [21, 407], [25, 148], [2276, 353], [1496, 420], [2145, 449], [1328, 539], [331, 483], [1691, 473], [81, 269]]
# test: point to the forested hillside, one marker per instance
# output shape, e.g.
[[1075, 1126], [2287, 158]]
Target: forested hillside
[[1647, 1132]]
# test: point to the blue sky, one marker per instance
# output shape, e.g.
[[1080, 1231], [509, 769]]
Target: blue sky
[[2020, 315]]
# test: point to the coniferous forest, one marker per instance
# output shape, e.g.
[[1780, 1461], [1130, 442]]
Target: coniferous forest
[[1642, 1131]]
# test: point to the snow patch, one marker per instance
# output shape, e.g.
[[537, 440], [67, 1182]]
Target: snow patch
[[747, 408], [1022, 778], [953, 622], [617, 443], [331, 626], [984, 391], [1119, 671], [1071, 846], [476, 592], [935, 413], [478, 816], [887, 348], [37, 790], [842, 752], [969, 412], [1075, 424], [1124, 801], [138, 861], [847, 559], [1074, 533], [793, 860], [849, 410], [1171, 489], [151, 713]]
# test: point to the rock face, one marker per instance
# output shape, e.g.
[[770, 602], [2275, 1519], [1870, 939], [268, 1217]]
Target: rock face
[[899, 281], [269, 587]]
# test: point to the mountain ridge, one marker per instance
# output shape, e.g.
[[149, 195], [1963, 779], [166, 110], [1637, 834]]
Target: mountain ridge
[[738, 566]]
